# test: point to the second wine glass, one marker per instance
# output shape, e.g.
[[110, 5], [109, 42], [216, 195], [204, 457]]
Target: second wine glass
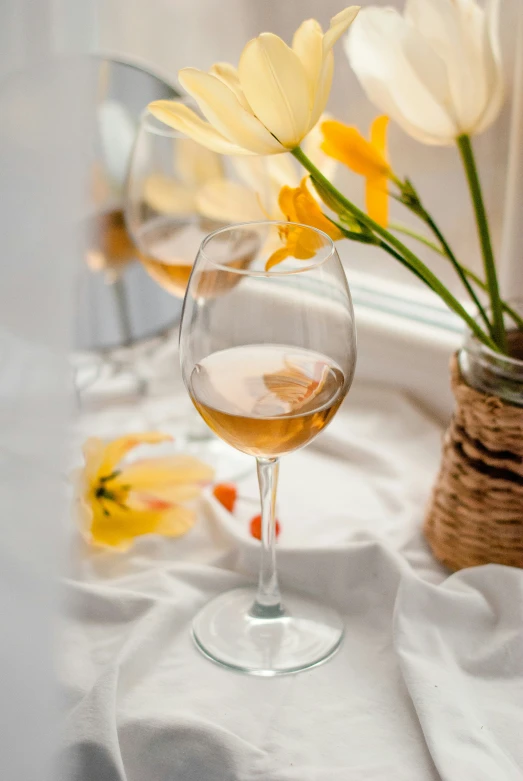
[[177, 192], [268, 351]]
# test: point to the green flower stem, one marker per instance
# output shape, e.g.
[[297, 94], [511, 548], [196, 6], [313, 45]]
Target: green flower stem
[[413, 262], [469, 163], [396, 226], [459, 270], [517, 318]]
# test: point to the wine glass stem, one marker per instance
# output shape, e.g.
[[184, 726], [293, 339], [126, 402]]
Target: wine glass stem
[[268, 599]]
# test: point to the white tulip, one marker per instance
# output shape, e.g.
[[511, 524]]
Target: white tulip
[[436, 70]]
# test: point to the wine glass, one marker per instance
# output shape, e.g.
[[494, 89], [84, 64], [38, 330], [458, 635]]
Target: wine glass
[[267, 358], [177, 192]]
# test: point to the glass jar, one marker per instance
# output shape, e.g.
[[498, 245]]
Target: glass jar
[[494, 373]]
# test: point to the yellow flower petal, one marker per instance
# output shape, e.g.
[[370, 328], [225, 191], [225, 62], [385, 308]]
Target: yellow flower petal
[[166, 494], [229, 202], [278, 256], [93, 452], [176, 522], [338, 25], [377, 199], [298, 205], [378, 135], [307, 43], [308, 212], [276, 86], [158, 472], [120, 527], [118, 448], [229, 75], [168, 196], [286, 202], [272, 101], [347, 145], [184, 119], [195, 164], [323, 88], [224, 111], [282, 170]]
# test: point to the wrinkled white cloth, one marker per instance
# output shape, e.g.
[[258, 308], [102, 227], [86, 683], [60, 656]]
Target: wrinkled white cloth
[[427, 685]]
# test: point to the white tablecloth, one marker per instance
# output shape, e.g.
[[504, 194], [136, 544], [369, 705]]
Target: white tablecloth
[[428, 683]]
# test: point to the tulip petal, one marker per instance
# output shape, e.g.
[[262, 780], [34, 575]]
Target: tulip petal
[[118, 448], [168, 196], [339, 24], [454, 30], [195, 164], [307, 43], [224, 111], [229, 75], [493, 67], [386, 53], [229, 202], [324, 87], [276, 85], [184, 119], [251, 170]]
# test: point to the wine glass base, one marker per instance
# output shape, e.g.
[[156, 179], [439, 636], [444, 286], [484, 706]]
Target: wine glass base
[[307, 634]]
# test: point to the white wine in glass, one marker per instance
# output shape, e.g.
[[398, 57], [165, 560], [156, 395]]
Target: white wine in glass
[[267, 362]]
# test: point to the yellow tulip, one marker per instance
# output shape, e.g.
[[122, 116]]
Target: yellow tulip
[[270, 103], [194, 165], [120, 501], [367, 158], [299, 206], [253, 194]]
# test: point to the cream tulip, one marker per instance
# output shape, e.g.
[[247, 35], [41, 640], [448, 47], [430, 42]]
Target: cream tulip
[[253, 193], [271, 102], [436, 70]]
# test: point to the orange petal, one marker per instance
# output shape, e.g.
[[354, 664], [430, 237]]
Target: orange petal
[[347, 145], [277, 257], [377, 199], [286, 202], [378, 135], [309, 213]]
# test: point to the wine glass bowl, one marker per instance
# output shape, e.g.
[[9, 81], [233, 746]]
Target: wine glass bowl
[[268, 354]]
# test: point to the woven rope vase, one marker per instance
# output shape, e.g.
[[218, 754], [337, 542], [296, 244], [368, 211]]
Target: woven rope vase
[[475, 515]]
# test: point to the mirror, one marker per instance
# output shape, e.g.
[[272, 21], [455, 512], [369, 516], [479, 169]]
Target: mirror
[[117, 303]]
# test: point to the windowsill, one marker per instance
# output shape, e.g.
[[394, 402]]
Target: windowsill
[[406, 337]]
